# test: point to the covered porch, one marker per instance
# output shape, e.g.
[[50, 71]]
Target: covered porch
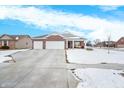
[[74, 44]]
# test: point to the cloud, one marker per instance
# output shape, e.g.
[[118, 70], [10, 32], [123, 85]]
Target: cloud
[[52, 20], [109, 8]]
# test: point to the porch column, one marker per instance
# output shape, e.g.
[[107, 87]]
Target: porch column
[[7, 43], [73, 44], [2, 43], [66, 44]]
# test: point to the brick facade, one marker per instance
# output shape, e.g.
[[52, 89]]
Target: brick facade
[[55, 38], [120, 43], [16, 41], [11, 44], [82, 44]]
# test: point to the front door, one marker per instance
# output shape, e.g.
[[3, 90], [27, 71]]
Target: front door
[[69, 44]]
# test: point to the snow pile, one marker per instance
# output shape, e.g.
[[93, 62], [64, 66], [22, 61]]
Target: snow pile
[[3, 54], [3, 59], [119, 49], [96, 56], [100, 78]]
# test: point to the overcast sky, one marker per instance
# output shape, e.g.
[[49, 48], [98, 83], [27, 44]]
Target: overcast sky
[[91, 22]]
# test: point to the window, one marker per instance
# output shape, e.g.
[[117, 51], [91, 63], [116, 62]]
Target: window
[[77, 44], [5, 43], [26, 43]]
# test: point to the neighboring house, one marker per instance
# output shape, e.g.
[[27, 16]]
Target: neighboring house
[[58, 41], [106, 44], [16, 41], [120, 43]]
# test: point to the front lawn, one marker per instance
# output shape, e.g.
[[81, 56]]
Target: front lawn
[[97, 56], [99, 78]]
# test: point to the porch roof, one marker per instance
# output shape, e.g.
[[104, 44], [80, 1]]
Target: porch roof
[[75, 39]]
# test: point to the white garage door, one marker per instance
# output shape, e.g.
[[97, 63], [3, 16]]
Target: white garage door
[[55, 44], [38, 45]]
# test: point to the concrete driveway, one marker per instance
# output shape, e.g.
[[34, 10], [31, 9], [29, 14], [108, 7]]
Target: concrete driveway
[[37, 68]]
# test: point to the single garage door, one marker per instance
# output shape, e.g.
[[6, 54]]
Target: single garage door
[[38, 44], [55, 45]]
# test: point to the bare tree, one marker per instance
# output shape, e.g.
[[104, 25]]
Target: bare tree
[[109, 39], [96, 41]]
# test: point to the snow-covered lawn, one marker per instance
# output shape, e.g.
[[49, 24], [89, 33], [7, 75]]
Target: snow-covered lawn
[[119, 49], [97, 56], [100, 78], [3, 54]]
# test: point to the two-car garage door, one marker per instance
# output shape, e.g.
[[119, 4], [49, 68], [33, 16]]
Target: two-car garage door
[[49, 45], [55, 44]]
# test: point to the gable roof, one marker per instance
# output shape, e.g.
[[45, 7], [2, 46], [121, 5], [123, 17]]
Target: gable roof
[[7, 38], [41, 36], [65, 35], [72, 36], [20, 36], [14, 37], [120, 39], [69, 35]]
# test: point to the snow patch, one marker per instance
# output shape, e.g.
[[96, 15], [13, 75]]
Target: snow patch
[[100, 78], [4, 54]]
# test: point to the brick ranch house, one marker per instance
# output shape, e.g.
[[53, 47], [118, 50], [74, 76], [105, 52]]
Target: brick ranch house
[[58, 41], [106, 44], [120, 43], [16, 41]]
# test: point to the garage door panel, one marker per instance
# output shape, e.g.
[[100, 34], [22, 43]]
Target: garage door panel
[[38, 45], [55, 45]]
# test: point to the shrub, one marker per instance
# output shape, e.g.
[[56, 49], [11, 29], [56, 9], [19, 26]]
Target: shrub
[[103, 63], [5, 47], [90, 49]]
